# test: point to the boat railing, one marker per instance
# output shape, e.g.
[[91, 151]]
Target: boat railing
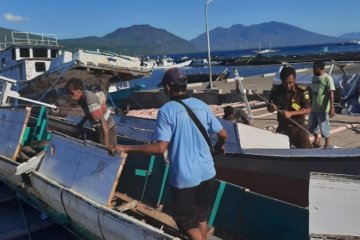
[[6, 92], [28, 38]]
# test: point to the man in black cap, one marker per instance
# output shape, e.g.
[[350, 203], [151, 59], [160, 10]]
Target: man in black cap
[[192, 172]]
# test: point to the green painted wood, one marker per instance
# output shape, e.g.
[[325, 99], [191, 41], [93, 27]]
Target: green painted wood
[[40, 116], [148, 173], [166, 172], [216, 203], [248, 215], [141, 172], [25, 136], [42, 131]]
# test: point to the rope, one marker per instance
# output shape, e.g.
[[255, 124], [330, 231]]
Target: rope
[[53, 84], [98, 219], [63, 205], [23, 216]]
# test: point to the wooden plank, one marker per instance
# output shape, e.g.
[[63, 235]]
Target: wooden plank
[[334, 205], [123, 160], [126, 206], [28, 111], [148, 211], [31, 165]]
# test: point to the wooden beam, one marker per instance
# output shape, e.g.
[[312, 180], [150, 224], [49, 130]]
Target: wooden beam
[[126, 206], [28, 110], [123, 157], [149, 211]]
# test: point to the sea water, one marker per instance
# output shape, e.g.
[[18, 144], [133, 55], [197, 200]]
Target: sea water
[[154, 79]]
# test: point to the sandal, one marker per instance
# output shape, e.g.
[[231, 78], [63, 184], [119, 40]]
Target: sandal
[[316, 145]]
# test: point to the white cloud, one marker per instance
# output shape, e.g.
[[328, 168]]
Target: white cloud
[[13, 18]]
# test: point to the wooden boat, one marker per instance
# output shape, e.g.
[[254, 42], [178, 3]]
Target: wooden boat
[[41, 67], [279, 173], [204, 77], [334, 197], [163, 63], [98, 196], [119, 95], [97, 71]]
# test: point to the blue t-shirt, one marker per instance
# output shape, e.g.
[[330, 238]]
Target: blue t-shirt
[[190, 159]]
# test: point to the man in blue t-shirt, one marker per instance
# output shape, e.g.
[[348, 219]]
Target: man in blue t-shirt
[[192, 171]]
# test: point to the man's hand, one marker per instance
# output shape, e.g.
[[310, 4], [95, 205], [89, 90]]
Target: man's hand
[[219, 150], [271, 107], [287, 114], [113, 149], [332, 112]]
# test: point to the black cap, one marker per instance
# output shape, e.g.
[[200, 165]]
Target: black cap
[[173, 77]]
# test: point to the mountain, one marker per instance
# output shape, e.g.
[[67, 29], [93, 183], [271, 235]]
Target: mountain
[[351, 36], [137, 39], [243, 37], [148, 40]]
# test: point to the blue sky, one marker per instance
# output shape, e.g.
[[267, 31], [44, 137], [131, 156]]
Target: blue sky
[[185, 18]]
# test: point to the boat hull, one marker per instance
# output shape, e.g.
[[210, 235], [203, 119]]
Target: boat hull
[[279, 173], [79, 214], [284, 174]]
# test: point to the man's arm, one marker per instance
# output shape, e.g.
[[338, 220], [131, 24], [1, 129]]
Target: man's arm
[[152, 148], [220, 144], [331, 96], [332, 107], [301, 112], [105, 131], [81, 123]]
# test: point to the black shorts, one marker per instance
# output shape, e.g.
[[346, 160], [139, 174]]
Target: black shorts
[[193, 205]]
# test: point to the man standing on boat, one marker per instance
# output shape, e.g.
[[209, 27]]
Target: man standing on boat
[[95, 110], [236, 115], [192, 171], [322, 104], [292, 101]]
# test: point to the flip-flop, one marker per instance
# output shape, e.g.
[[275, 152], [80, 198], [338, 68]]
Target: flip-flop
[[316, 145]]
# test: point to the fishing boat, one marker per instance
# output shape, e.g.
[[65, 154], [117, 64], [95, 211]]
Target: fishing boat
[[41, 68], [258, 159], [204, 77], [98, 196], [263, 51], [203, 62], [120, 92], [164, 63], [28, 55]]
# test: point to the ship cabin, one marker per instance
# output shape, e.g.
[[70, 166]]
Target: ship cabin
[[27, 55]]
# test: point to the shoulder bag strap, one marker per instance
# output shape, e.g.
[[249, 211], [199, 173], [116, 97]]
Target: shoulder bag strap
[[197, 123]]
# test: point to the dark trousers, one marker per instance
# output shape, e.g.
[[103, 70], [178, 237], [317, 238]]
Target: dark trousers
[[112, 135], [297, 136]]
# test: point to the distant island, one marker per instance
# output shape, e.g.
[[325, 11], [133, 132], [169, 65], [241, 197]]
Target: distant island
[[148, 40]]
